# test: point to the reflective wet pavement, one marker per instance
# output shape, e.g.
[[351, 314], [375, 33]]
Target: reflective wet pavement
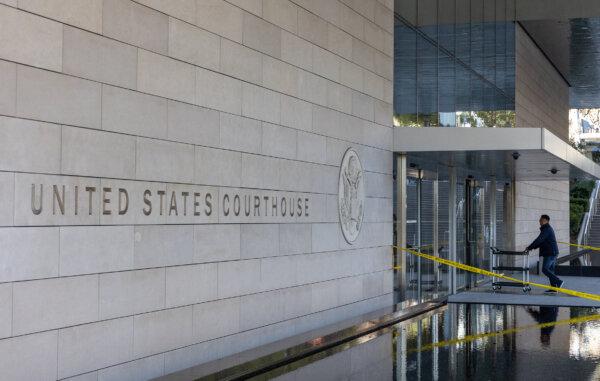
[[466, 342]]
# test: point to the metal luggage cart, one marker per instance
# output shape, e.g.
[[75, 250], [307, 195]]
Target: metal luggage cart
[[497, 267]]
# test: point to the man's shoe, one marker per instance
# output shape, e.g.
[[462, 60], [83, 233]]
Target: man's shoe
[[562, 282], [549, 292]]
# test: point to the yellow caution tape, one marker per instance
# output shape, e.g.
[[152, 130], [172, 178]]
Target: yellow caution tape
[[470, 338], [477, 270], [582, 246]]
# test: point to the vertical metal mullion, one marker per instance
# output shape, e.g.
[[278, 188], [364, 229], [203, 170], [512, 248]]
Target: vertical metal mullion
[[419, 243], [493, 219], [452, 228], [400, 256], [436, 242]]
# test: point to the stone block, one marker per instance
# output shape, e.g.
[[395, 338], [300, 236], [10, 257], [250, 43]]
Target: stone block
[[162, 331], [363, 106], [324, 296], [312, 88], [240, 134], [252, 6], [164, 161], [282, 13], [133, 113], [260, 240], [352, 22], [8, 91], [277, 272], [339, 42], [325, 237], [374, 85], [218, 91], [166, 77], [216, 242], [326, 121], [294, 238], [280, 76], [218, 167], [17, 136], [46, 304], [191, 284], [374, 35], [295, 176], [163, 245], [261, 309], [30, 39], [262, 36], [351, 75], [85, 14], [192, 124], [216, 319], [31, 357], [95, 249], [296, 51], [105, 60], [193, 355], [339, 97], [139, 370], [260, 172], [260, 103], [97, 153], [181, 9], [58, 98], [135, 24], [383, 113], [312, 147], [296, 113], [239, 278], [312, 28], [6, 312], [363, 54], [131, 292], [241, 62], [326, 64], [279, 141], [29, 253], [194, 45], [220, 17], [92, 346]]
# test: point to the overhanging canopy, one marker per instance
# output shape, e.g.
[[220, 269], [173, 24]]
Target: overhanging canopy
[[491, 151]]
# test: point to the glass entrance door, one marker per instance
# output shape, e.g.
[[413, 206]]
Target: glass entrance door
[[479, 215]]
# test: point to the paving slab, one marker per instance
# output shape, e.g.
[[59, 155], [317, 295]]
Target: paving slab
[[514, 295]]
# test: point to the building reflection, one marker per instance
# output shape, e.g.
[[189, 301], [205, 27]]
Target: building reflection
[[466, 342], [544, 315], [472, 342], [454, 64]]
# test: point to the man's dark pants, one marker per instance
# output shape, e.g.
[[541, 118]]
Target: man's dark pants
[[548, 266]]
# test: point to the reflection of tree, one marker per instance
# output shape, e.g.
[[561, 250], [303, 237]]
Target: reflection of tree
[[500, 118], [592, 115]]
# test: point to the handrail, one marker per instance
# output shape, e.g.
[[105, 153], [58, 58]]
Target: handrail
[[582, 237]]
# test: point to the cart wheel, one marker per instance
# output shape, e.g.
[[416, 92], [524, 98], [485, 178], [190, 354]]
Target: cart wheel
[[526, 289]]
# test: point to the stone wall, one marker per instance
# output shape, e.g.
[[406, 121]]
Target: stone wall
[[128, 128], [542, 95], [542, 100]]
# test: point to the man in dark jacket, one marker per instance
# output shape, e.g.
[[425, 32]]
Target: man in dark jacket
[[546, 242]]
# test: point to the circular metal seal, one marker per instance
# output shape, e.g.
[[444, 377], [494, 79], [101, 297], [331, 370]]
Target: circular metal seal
[[351, 195]]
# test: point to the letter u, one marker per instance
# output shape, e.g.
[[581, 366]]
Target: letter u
[[34, 209]]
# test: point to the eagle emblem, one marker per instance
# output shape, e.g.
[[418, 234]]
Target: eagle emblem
[[351, 196]]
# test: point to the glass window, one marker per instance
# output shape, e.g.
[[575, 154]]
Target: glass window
[[454, 63]]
